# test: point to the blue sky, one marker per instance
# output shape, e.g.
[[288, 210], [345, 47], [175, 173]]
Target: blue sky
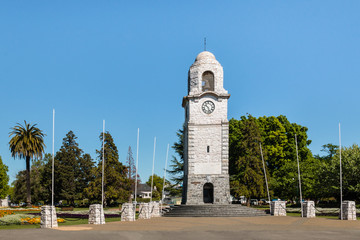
[[127, 62]]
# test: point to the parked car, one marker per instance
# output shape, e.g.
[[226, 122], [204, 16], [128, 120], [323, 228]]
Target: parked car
[[263, 201], [254, 202]]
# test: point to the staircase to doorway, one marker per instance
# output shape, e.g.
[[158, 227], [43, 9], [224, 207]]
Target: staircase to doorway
[[212, 210]]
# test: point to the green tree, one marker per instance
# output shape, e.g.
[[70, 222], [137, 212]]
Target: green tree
[[247, 178], [84, 176], [117, 185], [27, 142], [37, 189], [330, 150], [158, 186], [350, 157], [177, 164], [131, 171], [46, 179], [4, 180], [68, 158]]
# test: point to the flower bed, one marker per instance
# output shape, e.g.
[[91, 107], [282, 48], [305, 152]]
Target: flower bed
[[5, 212], [79, 215], [37, 220]]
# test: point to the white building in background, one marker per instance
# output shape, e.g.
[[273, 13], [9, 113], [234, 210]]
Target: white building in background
[[4, 202]]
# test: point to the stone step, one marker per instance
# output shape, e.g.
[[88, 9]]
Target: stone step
[[212, 211]]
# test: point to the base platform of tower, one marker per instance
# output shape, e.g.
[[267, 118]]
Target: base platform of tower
[[210, 210]]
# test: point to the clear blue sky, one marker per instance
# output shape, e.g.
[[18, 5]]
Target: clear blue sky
[[127, 62]]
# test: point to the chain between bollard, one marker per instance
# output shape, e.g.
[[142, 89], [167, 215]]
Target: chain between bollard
[[322, 211], [141, 210], [152, 209], [123, 210]]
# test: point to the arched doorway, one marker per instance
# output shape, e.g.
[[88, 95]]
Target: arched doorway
[[208, 193]]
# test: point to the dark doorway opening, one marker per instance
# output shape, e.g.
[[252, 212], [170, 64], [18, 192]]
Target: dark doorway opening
[[208, 193]]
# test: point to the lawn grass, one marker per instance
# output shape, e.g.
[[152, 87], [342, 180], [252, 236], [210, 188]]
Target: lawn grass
[[16, 226]]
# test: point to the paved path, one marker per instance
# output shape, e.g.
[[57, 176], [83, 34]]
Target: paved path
[[200, 229]]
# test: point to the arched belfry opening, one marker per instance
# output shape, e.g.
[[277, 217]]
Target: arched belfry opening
[[207, 81], [208, 193]]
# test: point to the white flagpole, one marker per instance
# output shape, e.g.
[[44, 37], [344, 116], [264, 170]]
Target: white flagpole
[[341, 197], [297, 158], [137, 161], [103, 166], [52, 169], [162, 193], [267, 186], [152, 174]]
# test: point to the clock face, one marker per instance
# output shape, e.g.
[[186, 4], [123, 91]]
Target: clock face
[[208, 107]]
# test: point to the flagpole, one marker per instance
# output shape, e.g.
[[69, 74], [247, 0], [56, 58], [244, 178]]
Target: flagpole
[[137, 161], [341, 197], [52, 168], [162, 193], [152, 174], [267, 186], [103, 166], [297, 158]]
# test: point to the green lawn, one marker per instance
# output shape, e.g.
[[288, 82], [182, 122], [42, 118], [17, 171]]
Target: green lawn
[[15, 226]]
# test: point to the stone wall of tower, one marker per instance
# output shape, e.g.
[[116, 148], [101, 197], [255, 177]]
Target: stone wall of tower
[[206, 136]]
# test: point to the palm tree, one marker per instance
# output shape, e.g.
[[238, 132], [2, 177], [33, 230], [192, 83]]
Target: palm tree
[[28, 143]]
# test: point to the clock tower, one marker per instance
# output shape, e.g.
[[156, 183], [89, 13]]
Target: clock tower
[[206, 135]]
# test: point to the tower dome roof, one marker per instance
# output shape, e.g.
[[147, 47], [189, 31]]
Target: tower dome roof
[[205, 55]]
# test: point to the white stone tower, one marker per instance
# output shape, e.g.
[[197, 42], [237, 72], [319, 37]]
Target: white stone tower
[[206, 136]]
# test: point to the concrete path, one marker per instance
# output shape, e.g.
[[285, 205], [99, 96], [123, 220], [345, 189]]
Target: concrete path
[[200, 228]]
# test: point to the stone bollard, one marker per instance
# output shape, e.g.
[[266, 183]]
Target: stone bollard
[[154, 208], [349, 210], [127, 212], [96, 214], [144, 211], [278, 208], [48, 217], [308, 208]]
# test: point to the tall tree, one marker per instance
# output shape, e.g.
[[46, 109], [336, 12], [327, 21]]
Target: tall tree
[[38, 192], [350, 157], [46, 179], [117, 185], [84, 176], [27, 142], [69, 158], [177, 164], [4, 180], [131, 168], [247, 177], [330, 150]]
